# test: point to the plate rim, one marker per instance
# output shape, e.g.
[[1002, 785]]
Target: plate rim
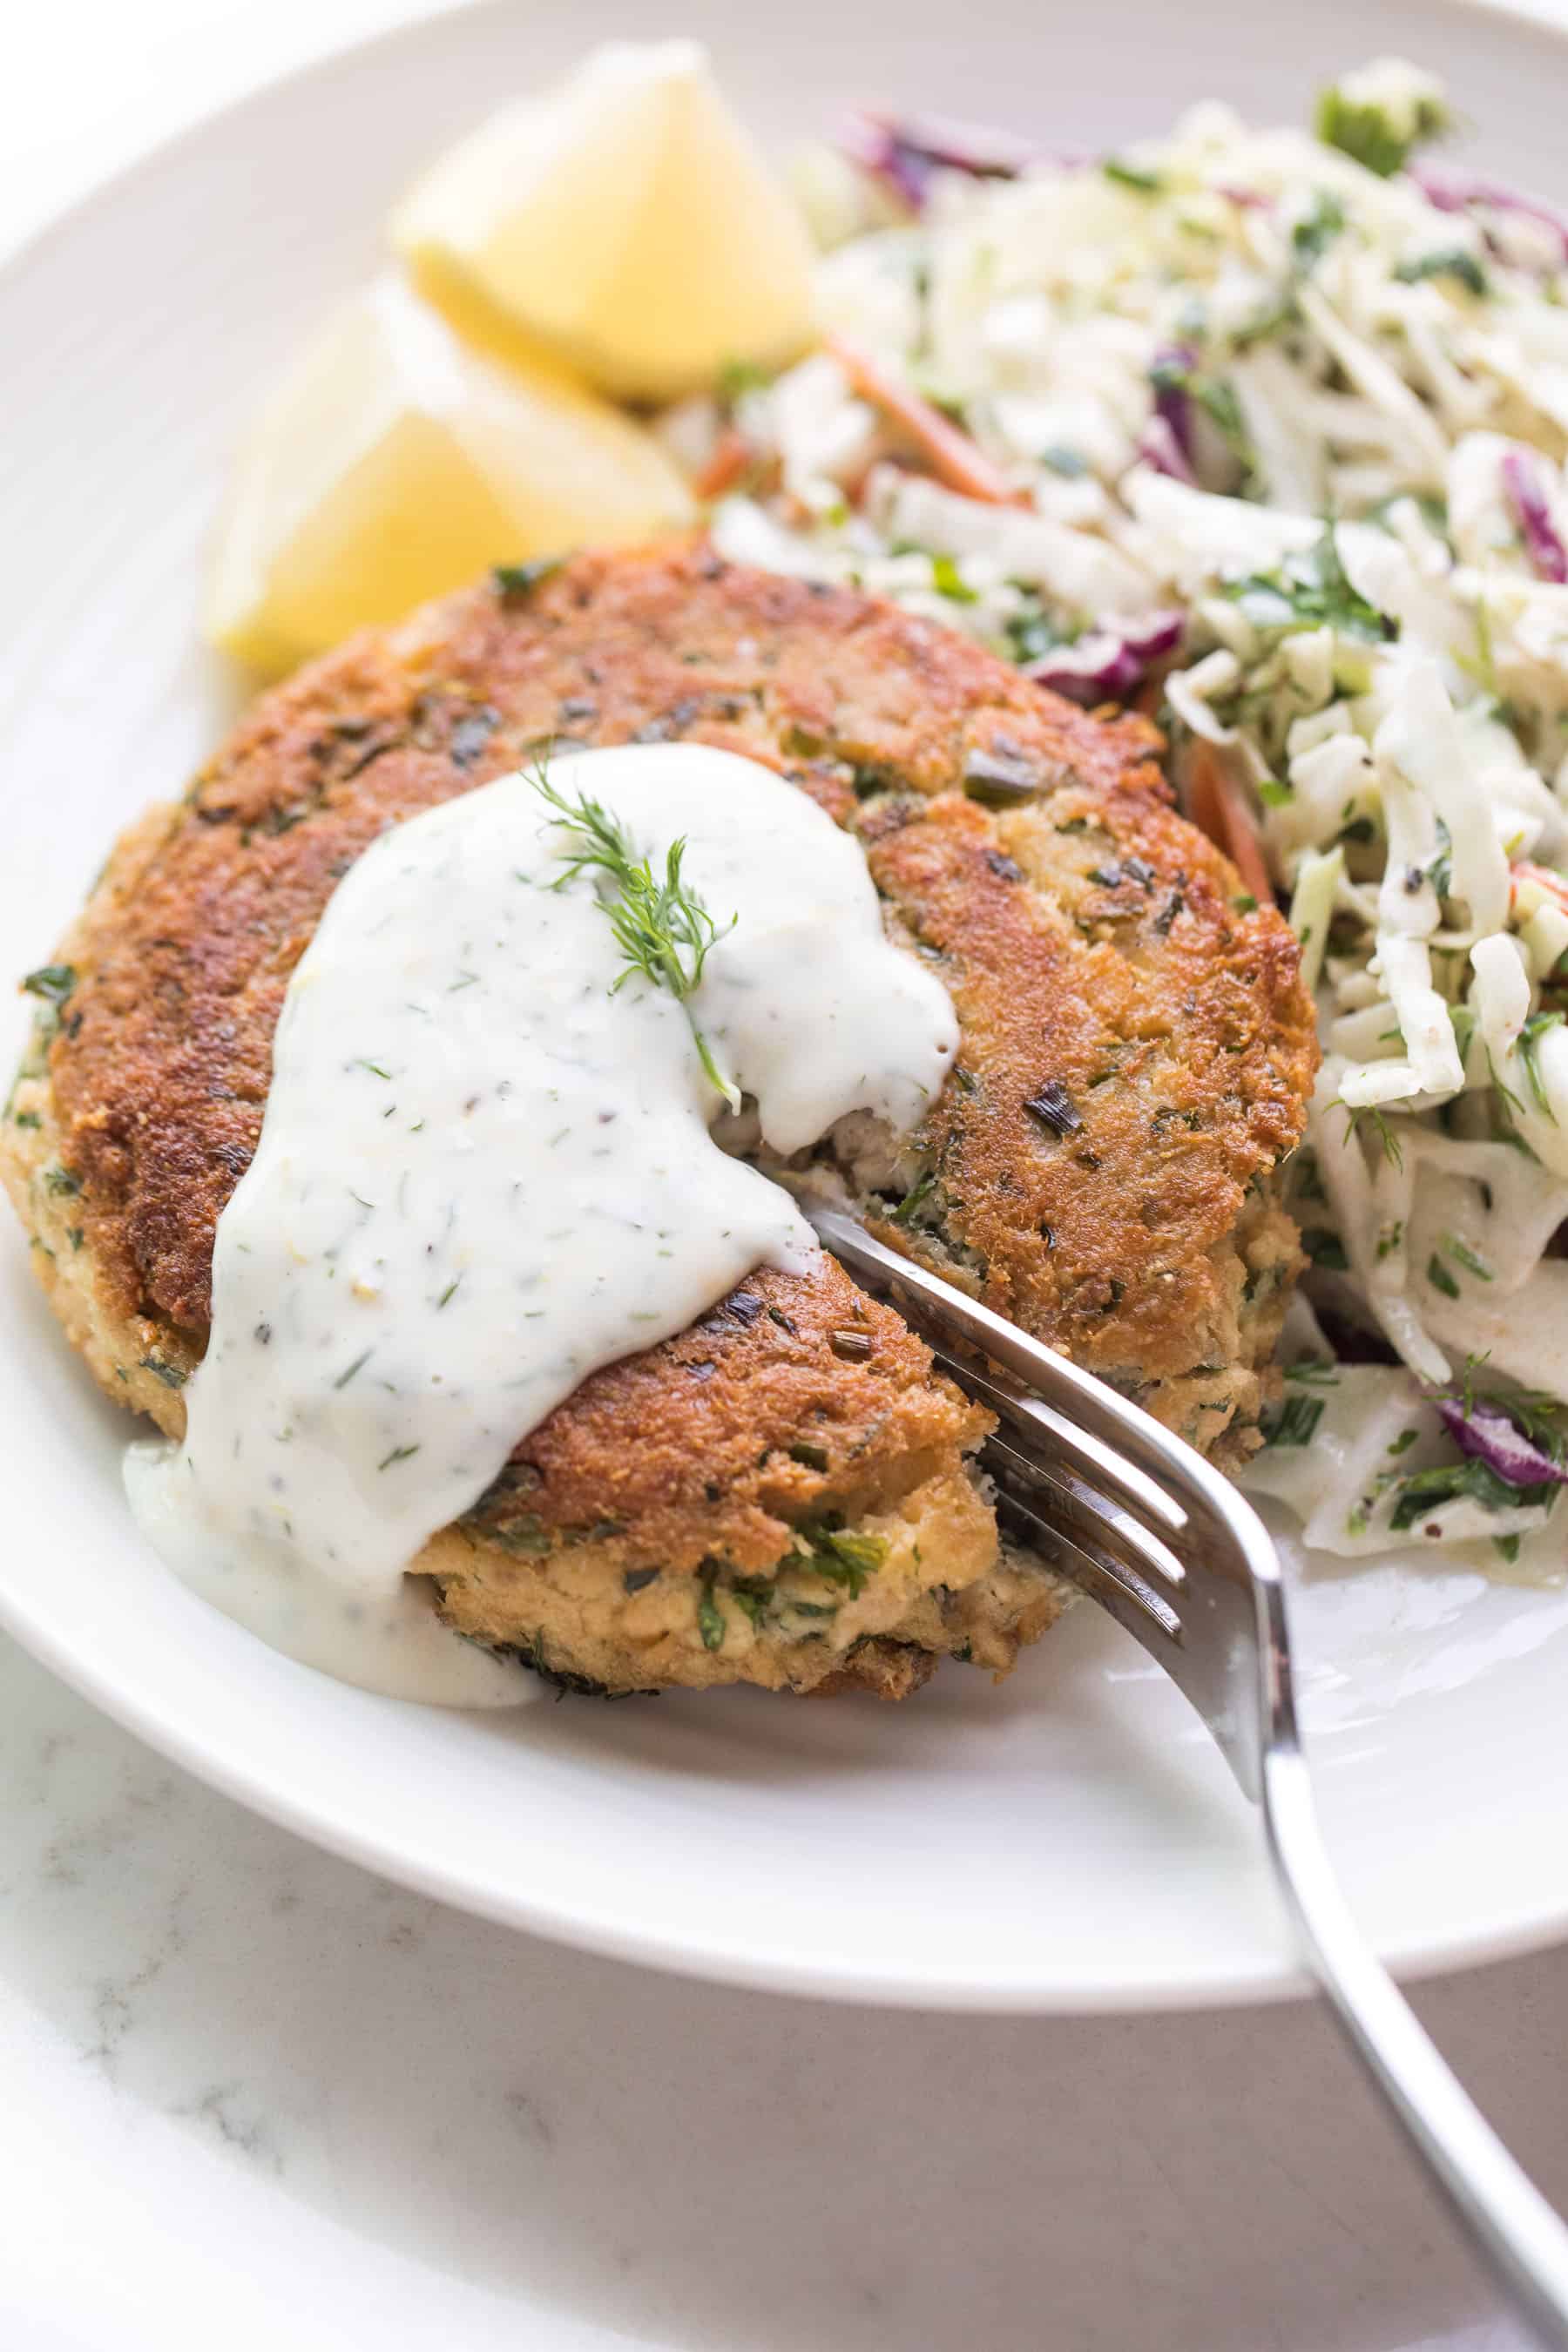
[[1257, 1982]]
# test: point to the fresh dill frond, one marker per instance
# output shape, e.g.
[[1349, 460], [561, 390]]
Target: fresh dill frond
[[1439, 1275], [1314, 1371], [1463, 1255], [1501, 1088], [1388, 1141], [1294, 1422], [1530, 1037], [662, 926]]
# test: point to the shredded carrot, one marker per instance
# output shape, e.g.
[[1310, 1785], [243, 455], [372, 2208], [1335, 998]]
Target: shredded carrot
[[955, 458], [1218, 806], [1555, 885], [1203, 792], [733, 456]]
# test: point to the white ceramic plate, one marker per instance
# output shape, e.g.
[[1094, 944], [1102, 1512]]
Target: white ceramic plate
[[1071, 1840]]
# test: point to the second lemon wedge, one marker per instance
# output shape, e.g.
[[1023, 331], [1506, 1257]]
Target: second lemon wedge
[[393, 464], [626, 220]]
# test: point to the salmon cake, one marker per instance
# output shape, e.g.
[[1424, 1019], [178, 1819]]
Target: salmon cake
[[787, 1494]]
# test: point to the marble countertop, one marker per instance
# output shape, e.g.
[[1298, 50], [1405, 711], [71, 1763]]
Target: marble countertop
[[252, 2096]]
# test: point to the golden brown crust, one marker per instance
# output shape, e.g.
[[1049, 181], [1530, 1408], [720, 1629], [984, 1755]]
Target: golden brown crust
[[1088, 936], [755, 1421], [1137, 1052], [185, 951]]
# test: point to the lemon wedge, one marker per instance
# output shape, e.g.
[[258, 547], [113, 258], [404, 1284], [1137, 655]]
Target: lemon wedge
[[623, 219], [394, 464]]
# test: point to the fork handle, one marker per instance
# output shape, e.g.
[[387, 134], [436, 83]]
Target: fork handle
[[1250, 1709], [1508, 2219]]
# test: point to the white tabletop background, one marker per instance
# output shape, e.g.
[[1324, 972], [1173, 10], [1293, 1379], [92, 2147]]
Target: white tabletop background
[[251, 2096]]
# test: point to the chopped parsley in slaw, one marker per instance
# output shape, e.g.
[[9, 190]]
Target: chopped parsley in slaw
[[1267, 431]]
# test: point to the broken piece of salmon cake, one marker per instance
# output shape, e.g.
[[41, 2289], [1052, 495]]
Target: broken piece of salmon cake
[[785, 1494]]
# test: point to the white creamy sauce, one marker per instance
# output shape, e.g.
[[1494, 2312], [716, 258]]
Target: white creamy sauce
[[485, 1171]]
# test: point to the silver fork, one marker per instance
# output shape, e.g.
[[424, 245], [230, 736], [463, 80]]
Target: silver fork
[[1146, 1528]]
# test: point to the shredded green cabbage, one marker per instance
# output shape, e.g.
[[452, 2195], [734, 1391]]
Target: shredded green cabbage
[[1265, 381]]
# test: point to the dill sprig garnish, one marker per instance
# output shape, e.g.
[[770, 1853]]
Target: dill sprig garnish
[[662, 926]]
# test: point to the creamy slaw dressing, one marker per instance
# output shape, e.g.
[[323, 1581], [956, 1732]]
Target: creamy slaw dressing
[[486, 1171], [1297, 416]]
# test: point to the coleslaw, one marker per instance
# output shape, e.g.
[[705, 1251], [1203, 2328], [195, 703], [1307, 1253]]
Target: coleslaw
[[1267, 430]]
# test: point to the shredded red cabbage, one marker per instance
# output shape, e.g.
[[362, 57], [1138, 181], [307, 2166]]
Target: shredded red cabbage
[[1096, 669], [905, 150], [1486, 1431], [1111, 661], [1168, 372], [1545, 548], [1153, 634], [1158, 447], [1456, 192], [874, 147]]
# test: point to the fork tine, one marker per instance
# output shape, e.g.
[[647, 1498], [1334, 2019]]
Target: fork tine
[[1035, 1437], [1115, 1446], [1119, 1590], [1090, 1517]]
